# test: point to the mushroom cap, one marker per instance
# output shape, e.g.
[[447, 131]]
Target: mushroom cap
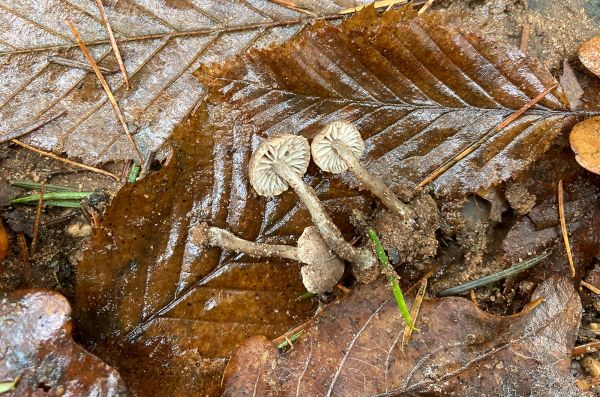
[[323, 152], [292, 150], [323, 268]]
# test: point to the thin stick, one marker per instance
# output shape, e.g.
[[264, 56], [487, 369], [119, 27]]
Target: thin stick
[[77, 64], [70, 162], [563, 226], [113, 42], [591, 287], [291, 6], [425, 7], [38, 215], [377, 4], [524, 46], [293, 331], [19, 132], [109, 93], [414, 313], [581, 350], [471, 148]]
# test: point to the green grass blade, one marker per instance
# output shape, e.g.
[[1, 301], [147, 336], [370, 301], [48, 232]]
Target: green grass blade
[[37, 186], [34, 198], [387, 268]]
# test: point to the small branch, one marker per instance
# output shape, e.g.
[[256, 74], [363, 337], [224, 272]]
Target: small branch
[[582, 350], [77, 64], [113, 42], [471, 148], [38, 215], [563, 226], [70, 162], [19, 132], [104, 84], [591, 287]]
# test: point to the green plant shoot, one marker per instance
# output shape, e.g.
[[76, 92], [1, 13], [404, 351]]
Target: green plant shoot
[[387, 268]]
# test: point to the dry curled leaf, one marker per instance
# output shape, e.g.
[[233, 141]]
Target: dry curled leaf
[[353, 349], [418, 91], [585, 142], [36, 345], [589, 55], [161, 42]]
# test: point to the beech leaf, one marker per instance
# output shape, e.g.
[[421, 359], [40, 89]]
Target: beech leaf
[[585, 142], [419, 92], [353, 349], [161, 42], [37, 349]]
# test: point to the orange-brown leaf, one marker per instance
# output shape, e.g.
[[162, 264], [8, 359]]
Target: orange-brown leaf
[[589, 55], [585, 142]]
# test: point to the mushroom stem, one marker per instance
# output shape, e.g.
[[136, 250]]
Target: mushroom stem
[[222, 238], [375, 184], [332, 236]]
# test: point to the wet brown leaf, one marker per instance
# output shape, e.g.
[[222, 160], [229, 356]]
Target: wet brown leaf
[[161, 42], [353, 349], [144, 290], [36, 345], [585, 142], [418, 91], [589, 55], [3, 242]]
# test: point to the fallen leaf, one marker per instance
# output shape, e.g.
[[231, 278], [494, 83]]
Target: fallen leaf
[[161, 44], [419, 93], [589, 55], [585, 142], [36, 345], [571, 86], [353, 349]]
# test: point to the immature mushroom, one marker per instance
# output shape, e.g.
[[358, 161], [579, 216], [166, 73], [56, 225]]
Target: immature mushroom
[[278, 163], [321, 271], [337, 148]]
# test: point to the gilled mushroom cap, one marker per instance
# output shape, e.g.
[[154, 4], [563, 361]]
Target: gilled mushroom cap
[[292, 150], [323, 152]]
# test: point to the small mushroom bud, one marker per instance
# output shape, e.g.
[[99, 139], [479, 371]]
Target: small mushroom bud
[[322, 269], [280, 162], [337, 148]]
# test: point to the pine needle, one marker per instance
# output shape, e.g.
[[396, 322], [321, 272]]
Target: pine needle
[[113, 42], [38, 215], [414, 312], [291, 6], [78, 64], [425, 7], [377, 4], [471, 148], [109, 93], [563, 226], [70, 162], [390, 274]]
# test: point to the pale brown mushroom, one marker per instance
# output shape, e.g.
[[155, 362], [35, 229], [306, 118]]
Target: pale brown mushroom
[[337, 147], [321, 271], [280, 162]]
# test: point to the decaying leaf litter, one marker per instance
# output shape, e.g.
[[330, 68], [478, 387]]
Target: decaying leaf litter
[[469, 246]]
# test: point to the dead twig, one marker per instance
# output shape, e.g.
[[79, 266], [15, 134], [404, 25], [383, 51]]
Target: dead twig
[[414, 313], [38, 215], [292, 6], [109, 93], [113, 42], [19, 132], [591, 287], [77, 64], [563, 226], [377, 4], [582, 350], [471, 148], [524, 45], [425, 7], [70, 162]]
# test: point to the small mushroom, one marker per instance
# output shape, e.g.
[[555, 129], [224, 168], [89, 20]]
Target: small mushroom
[[280, 162], [337, 148], [322, 269]]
